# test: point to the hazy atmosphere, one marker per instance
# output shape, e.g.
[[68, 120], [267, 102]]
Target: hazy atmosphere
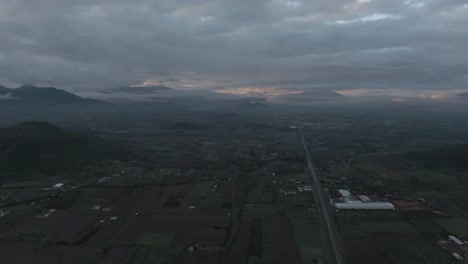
[[234, 131], [398, 47]]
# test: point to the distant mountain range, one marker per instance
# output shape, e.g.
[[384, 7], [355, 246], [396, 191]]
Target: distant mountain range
[[154, 96], [32, 95], [463, 96]]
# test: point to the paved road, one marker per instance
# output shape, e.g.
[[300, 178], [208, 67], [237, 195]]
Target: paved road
[[325, 209]]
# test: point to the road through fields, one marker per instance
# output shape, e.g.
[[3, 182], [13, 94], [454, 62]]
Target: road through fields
[[324, 206]]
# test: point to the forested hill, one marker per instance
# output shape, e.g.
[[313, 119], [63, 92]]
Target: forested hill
[[41, 147]]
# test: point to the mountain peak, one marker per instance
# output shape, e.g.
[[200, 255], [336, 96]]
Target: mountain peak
[[4, 90], [27, 86], [34, 95]]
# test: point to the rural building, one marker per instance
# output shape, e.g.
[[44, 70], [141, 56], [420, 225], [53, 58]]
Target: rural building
[[353, 201], [305, 188], [455, 240], [46, 214], [287, 192], [368, 206], [457, 256], [3, 213], [58, 186], [344, 193], [365, 199]]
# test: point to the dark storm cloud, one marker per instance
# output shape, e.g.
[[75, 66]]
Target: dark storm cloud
[[98, 45]]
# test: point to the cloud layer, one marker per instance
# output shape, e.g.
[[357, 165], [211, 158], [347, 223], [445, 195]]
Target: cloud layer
[[346, 44]]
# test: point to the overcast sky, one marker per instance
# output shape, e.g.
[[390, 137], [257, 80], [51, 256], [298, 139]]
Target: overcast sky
[[85, 45]]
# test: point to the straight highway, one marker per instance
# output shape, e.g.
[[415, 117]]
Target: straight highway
[[324, 206]]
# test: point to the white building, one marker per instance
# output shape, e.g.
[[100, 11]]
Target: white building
[[456, 240], [353, 201], [344, 193], [457, 256], [368, 206], [3, 213], [58, 186], [365, 199]]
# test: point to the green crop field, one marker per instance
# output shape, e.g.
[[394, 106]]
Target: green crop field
[[401, 251], [309, 238], [201, 189], [455, 226], [155, 239], [387, 227]]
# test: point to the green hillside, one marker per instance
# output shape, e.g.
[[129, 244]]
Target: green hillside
[[32, 95], [44, 148]]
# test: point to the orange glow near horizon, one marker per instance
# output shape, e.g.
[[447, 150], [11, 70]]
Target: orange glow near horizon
[[258, 90]]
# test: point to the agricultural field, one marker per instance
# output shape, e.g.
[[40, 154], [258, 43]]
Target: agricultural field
[[310, 237], [210, 187], [455, 226], [204, 194]]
